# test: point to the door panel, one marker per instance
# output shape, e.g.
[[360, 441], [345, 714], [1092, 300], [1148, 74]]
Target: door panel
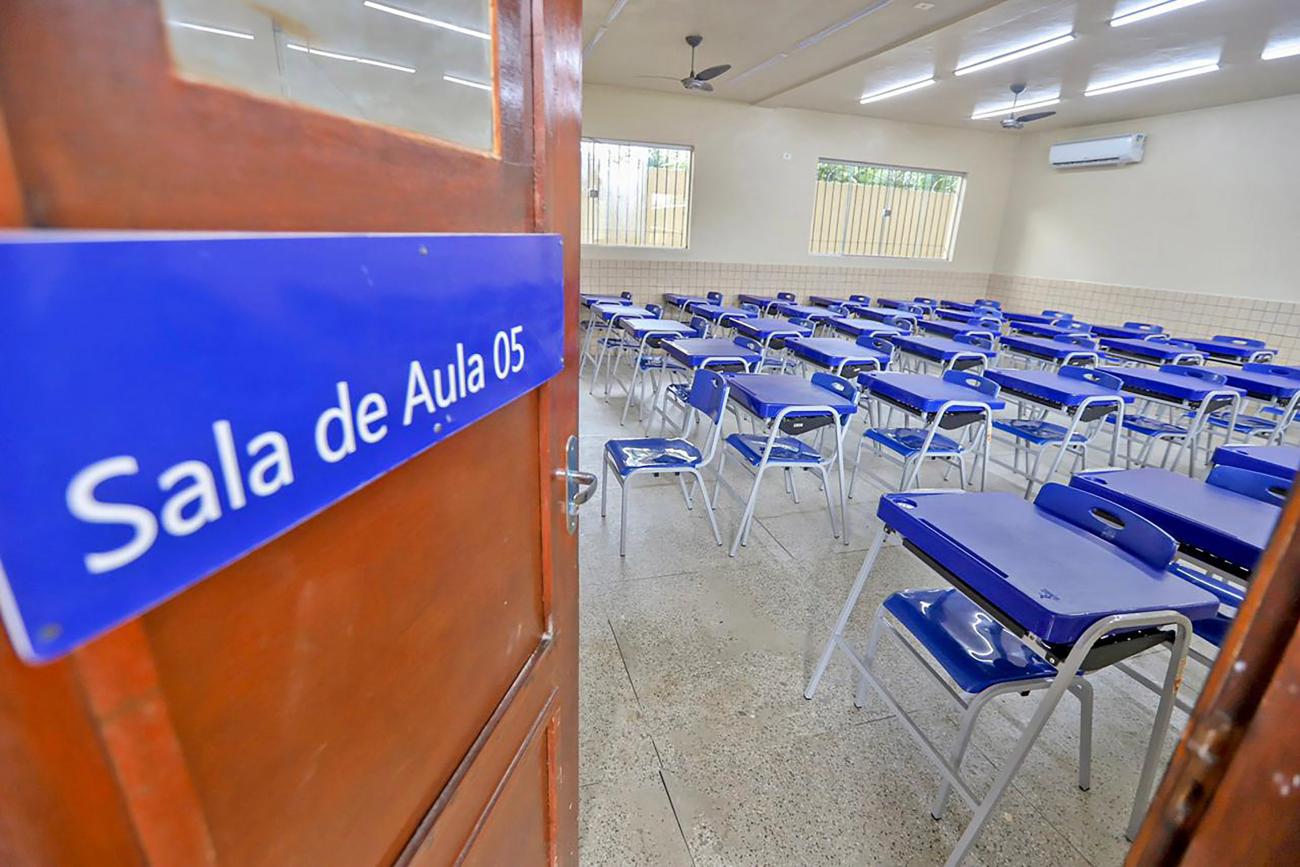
[[396, 678]]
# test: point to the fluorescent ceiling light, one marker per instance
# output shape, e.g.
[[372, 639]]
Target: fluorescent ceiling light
[[351, 58], [1280, 50], [1152, 78], [425, 19], [1151, 10], [1014, 55], [898, 90], [1008, 108], [219, 31], [465, 81]]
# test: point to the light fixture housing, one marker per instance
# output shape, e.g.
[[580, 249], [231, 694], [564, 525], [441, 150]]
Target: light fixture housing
[[425, 19], [216, 31], [1151, 10], [455, 79], [897, 90], [1016, 54], [1008, 108], [1281, 49], [1152, 78], [350, 58]]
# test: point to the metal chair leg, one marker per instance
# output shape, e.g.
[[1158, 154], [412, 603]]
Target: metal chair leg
[[622, 522]]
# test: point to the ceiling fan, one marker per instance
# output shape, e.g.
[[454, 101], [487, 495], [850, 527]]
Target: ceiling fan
[[1014, 122], [696, 80]]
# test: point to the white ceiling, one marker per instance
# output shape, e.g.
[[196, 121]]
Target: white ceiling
[[866, 46]]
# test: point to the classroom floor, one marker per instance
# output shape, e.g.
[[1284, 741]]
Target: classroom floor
[[698, 748]]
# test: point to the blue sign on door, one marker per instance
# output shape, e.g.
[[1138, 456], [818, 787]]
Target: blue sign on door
[[169, 403]]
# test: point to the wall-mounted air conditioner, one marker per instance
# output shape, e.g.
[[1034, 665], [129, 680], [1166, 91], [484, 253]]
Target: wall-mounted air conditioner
[[1116, 150]]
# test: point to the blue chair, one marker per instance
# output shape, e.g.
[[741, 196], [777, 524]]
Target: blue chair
[[1156, 429], [759, 452], [626, 296], [786, 296], [769, 363], [677, 456], [912, 446], [656, 310], [1272, 422], [714, 297]]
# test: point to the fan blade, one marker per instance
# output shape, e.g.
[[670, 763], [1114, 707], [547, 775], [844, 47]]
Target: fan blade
[[704, 86], [1037, 115], [712, 72]]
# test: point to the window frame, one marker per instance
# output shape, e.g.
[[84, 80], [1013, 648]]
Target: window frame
[[951, 252], [690, 192]]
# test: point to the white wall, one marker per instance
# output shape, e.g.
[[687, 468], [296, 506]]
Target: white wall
[[1213, 208], [751, 205]]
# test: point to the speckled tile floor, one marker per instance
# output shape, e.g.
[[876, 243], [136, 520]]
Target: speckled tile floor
[[697, 746]]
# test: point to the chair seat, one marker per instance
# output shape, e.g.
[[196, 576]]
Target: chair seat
[[1245, 423], [1151, 426], [973, 648], [679, 390], [652, 452], [655, 362], [907, 441], [785, 450], [1037, 431]]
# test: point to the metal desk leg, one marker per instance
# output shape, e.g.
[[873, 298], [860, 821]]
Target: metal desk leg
[[837, 634]]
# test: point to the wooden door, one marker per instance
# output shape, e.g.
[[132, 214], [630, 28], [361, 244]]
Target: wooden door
[[396, 679]]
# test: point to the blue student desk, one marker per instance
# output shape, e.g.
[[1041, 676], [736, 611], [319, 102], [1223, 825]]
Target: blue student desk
[[1154, 352], [588, 300], [859, 327], [1280, 461], [763, 302], [680, 301], [1128, 331], [943, 351], [839, 356], [694, 351], [962, 305], [900, 304], [1050, 350], [832, 301], [640, 328], [950, 329], [1048, 388], [1037, 318], [1264, 387], [1212, 525], [766, 395], [1232, 350], [968, 316], [802, 311], [920, 394], [1182, 391], [1037, 329], [715, 312], [765, 329], [608, 310], [880, 314]]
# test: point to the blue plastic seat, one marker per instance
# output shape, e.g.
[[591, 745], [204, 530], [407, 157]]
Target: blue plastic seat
[[908, 441], [973, 648], [1151, 426], [1037, 431], [644, 452], [784, 449], [1250, 424]]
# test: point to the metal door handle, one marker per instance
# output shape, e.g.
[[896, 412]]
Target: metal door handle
[[579, 487]]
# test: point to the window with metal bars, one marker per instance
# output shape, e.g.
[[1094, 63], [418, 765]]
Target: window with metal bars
[[636, 195], [863, 209]]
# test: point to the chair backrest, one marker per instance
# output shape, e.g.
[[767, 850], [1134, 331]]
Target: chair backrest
[[989, 322], [974, 338], [750, 308], [1119, 526], [1194, 372], [1271, 369], [786, 296], [879, 344], [921, 299], [626, 296], [859, 299], [1089, 374], [1240, 341], [748, 343], [656, 310], [802, 321], [837, 310], [1148, 327], [1076, 340], [699, 323], [989, 302], [902, 323], [714, 297], [837, 384], [1058, 314], [1257, 486], [982, 384], [708, 393]]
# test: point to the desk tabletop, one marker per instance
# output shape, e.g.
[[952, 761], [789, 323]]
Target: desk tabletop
[[1052, 386], [968, 315], [767, 394], [1044, 347], [1267, 386], [612, 311], [589, 300], [1280, 461], [1223, 523], [1029, 317], [1129, 332], [961, 305], [831, 351], [948, 329], [1054, 588], [714, 312], [925, 393], [1153, 382], [831, 300], [789, 308], [1227, 348], [642, 327], [1156, 349], [693, 351], [880, 314], [859, 327], [763, 327], [935, 346], [677, 299], [1038, 329], [760, 300]]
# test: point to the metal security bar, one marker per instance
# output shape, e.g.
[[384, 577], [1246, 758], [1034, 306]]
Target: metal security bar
[[862, 209], [636, 195]]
